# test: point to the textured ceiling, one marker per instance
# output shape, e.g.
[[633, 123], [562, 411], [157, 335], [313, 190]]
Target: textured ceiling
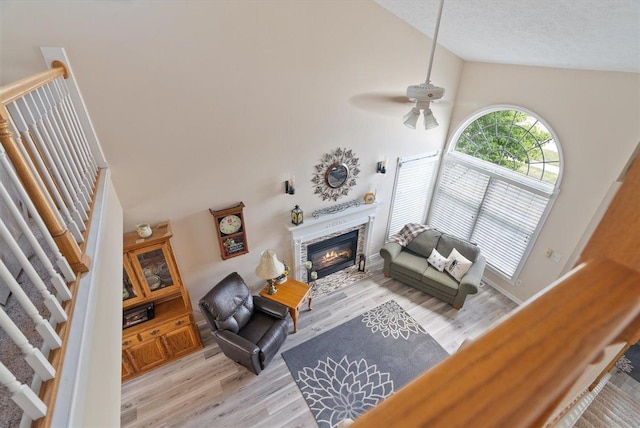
[[578, 34]]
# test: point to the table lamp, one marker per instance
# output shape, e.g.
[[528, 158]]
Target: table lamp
[[269, 268]]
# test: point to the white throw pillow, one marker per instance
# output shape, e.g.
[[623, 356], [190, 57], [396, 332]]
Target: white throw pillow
[[457, 265], [437, 260]]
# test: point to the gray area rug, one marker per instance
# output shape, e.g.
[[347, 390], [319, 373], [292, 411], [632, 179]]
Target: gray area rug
[[629, 363], [349, 369]]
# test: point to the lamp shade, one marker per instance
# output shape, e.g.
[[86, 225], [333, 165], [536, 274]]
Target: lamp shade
[[269, 267], [411, 118], [430, 121]]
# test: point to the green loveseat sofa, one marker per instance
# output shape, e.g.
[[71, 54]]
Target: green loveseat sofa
[[409, 265]]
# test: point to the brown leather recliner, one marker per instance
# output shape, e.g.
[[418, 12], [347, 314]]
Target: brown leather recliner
[[249, 329]]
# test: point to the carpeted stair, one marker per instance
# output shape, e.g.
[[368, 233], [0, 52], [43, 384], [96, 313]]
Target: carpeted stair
[[612, 408]]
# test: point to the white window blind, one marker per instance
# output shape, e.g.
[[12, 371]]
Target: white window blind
[[498, 215], [460, 194], [507, 221], [412, 191]]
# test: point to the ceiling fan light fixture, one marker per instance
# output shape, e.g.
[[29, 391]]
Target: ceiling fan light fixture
[[425, 92], [411, 118], [430, 121]]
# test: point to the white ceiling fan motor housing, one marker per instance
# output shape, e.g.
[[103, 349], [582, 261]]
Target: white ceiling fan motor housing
[[425, 92]]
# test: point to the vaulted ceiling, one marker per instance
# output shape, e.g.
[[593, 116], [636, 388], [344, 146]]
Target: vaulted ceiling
[[576, 34]]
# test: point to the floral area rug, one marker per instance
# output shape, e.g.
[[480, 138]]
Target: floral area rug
[[349, 369], [630, 362]]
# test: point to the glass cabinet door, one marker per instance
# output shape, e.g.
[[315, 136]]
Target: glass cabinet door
[[128, 292], [131, 292], [155, 269]]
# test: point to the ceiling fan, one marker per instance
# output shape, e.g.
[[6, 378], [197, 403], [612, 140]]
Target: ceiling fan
[[425, 93]]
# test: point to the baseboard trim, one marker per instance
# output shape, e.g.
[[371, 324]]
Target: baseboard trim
[[502, 291]]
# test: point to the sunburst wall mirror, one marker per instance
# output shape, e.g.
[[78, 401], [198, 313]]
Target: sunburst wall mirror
[[336, 174]]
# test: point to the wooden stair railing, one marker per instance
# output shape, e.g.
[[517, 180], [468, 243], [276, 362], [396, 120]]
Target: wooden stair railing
[[68, 246], [516, 373], [71, 246]]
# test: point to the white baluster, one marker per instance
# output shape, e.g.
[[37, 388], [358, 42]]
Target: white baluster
[[22, 395], [56, 164], [62, 263], [42, 326], [20, 130], [58, 314], [72, 128], [62, 86], [69, 136], [21, 124], [32, 356], [63, 145]]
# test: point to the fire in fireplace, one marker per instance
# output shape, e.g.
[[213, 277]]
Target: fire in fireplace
[[333, 254]]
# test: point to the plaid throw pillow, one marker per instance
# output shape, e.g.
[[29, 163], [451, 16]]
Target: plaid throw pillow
[[407, 233]]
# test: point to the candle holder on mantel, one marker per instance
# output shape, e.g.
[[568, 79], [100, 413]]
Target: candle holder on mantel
[[297, 216]]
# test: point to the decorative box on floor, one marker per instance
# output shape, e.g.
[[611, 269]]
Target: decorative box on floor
[[151, 279]]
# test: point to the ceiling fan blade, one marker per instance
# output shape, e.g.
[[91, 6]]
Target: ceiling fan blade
[[382, 103], [380, 97], [387, 103]]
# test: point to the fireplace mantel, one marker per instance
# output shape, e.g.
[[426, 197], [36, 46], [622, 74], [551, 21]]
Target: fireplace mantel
[[328, 224]]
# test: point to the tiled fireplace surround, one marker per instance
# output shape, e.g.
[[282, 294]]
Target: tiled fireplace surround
[[314, 230]]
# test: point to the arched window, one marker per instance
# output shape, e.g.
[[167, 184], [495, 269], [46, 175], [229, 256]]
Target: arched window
[[497, 183]]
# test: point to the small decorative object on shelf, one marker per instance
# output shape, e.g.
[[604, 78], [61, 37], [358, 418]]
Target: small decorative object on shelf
[[283, 278], [335, 208], [369, 198], [297, 216], [144, 230], [361, 263]]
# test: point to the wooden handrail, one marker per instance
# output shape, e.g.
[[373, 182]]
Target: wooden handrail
[[514, 374], [19, 88], [78, 261]]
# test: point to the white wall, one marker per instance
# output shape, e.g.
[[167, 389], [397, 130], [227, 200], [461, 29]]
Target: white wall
[[202, 105], [102, 399], [595, 116]]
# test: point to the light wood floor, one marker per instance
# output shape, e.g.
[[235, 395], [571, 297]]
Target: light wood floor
[[208, 389]]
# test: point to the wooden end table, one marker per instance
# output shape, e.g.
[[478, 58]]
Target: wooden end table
[[291, 294]]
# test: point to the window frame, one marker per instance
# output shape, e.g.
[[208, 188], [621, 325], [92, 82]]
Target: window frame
[[494, 171]]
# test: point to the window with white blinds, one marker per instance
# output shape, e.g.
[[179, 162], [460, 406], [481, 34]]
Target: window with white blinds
[[498, 206], [412, 191]]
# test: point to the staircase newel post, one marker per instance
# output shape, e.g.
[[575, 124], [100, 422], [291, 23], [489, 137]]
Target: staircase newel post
[[78, 261]]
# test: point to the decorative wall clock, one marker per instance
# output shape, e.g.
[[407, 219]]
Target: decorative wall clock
[[231, 232], [336, 174]]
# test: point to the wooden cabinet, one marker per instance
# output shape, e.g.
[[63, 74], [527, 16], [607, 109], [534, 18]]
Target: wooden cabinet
[[151, 275], [127, 369]]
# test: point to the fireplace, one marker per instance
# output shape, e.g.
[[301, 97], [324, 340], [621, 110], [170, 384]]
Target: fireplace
[[333, 254], [318, 228]]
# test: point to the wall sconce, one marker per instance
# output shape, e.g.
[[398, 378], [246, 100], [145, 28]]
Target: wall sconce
[[382, 166], [289, 185]]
